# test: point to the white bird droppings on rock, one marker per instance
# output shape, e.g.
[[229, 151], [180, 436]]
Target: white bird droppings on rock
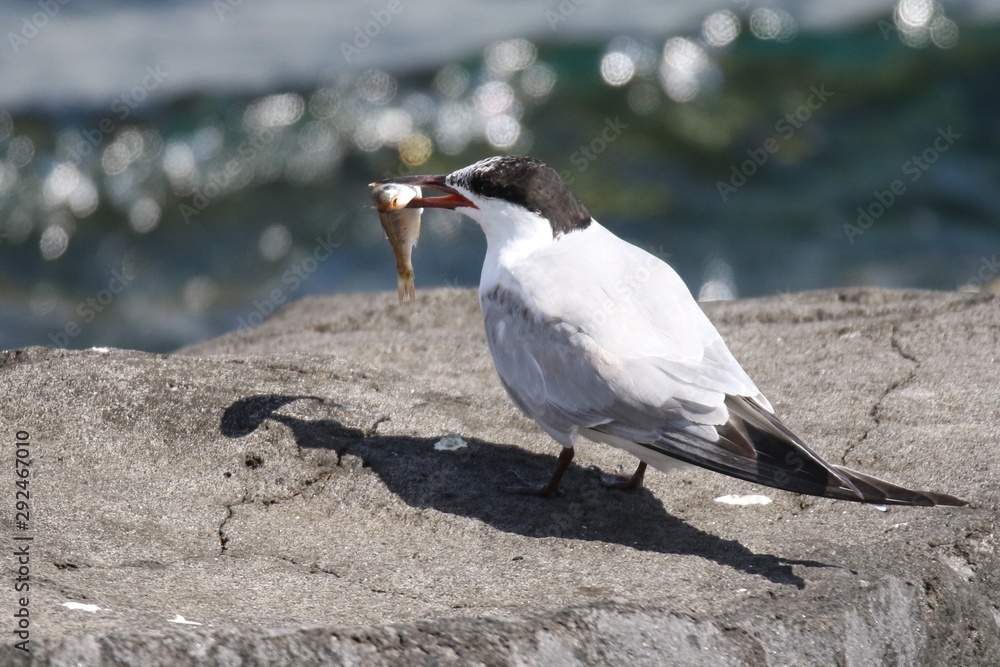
[[181, 620], [450, 443], [743, 500], [81, 606]]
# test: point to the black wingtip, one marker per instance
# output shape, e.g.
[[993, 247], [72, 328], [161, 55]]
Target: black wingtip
[[785, 462], [879, 492]]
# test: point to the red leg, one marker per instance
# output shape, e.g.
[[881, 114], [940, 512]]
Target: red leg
[[624, 481], [549, 489]]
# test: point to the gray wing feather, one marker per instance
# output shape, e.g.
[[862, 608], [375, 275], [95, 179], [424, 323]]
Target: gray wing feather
[[559, 376]]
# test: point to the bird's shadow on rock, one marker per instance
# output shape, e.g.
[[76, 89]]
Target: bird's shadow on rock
[[468, 482]]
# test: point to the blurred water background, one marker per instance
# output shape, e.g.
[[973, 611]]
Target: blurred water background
[[173, 170]]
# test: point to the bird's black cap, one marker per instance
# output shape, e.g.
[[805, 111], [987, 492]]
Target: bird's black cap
[[527, 182]]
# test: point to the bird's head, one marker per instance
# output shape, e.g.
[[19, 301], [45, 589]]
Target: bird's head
[[509, 196]]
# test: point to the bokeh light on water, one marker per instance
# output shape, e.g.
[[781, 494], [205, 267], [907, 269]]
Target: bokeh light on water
[[212, 200]]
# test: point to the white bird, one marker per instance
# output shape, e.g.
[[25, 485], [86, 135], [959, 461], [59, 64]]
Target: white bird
[[594, 337]]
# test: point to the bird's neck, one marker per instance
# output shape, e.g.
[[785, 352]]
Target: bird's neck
[[511, 237]]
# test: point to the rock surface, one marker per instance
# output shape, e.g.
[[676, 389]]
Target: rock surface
[[281, 489]]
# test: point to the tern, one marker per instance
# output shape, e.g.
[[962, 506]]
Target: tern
[[596, 338]]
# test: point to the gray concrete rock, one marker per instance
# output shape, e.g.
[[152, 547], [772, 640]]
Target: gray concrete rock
[[281, 489]]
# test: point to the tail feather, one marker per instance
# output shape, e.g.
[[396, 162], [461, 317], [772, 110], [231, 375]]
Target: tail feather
[[755, 446], [879, 491]]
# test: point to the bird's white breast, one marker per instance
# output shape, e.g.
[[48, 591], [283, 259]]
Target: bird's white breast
[[513, 236]]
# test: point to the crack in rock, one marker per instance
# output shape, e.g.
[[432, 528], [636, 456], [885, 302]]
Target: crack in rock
[[321, 477], [875, 413], [222, 529], [309, 483], [314, 568], [223, 540], [373, 429]]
